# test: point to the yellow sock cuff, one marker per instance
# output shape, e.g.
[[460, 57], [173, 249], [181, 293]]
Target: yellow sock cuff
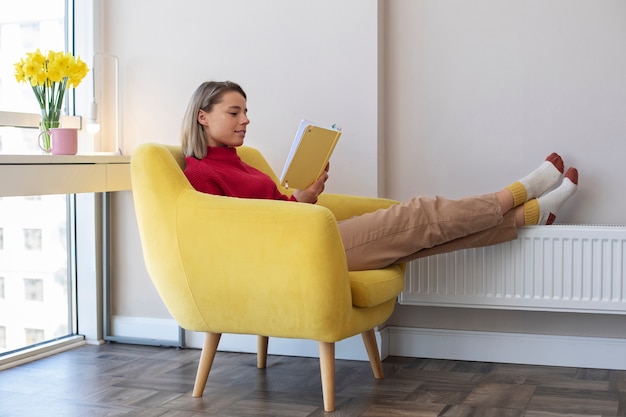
[[519, 193], [531, 212]]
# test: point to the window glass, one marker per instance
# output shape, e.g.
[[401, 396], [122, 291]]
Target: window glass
[[36, 266], [25, 26], [33, 336], [35, 284], [19, 141]]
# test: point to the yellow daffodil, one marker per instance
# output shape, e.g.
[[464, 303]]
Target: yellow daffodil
[[49, 76]]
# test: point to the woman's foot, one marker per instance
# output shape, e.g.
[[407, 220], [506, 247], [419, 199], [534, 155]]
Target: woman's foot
[[543, 210], [539, 181]]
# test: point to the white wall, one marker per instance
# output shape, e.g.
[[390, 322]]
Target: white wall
[[480, 92], [476, 94], [295, 59]]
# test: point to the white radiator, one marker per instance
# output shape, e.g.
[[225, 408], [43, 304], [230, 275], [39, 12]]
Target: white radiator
[[550, 268]]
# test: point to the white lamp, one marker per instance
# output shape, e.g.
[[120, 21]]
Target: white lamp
[[93, 125]]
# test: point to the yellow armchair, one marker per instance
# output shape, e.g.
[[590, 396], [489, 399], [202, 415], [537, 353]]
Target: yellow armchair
[[262, 267]]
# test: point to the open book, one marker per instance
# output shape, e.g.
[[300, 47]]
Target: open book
[[309, 154]]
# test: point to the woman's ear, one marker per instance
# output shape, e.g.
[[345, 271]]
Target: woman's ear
[[202, 118]]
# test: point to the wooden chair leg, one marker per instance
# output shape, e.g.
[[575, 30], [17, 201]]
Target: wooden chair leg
[[369, 338], [261, 351], [211, 340], [327, 368]]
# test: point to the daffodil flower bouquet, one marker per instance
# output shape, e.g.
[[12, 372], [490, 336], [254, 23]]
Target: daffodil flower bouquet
[[49, 76]]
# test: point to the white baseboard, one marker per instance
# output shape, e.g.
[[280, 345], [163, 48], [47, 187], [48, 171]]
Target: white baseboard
[[137, 328], [144, 328], [531, 349]]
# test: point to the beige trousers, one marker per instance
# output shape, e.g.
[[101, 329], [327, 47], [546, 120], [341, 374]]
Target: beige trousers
[[424, 226]]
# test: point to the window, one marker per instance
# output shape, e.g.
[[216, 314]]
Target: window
[[33, 289], [37, 233], [28, 222], [25, 26], [36, 270]]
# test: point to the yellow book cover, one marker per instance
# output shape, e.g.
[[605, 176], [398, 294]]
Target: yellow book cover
[[309, 154]]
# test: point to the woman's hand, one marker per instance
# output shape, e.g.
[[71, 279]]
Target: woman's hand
[[310, 194]]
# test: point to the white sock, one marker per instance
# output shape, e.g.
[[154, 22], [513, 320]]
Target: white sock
[[539, 181], [550, 203], [543, 178]]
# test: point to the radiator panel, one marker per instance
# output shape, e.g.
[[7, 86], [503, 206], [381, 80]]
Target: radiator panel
[[576, 268]]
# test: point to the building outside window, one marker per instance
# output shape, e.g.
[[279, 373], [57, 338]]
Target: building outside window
[[3, 338], [32, 239], [33, 289], [33, 336]]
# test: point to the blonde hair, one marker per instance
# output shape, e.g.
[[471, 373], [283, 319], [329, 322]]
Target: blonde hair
[[194, 141]]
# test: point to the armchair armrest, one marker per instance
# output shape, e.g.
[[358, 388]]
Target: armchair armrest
[[346, 206], [286, 256]]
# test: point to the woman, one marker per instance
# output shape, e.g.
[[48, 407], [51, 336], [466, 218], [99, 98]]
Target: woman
[[215, 124]]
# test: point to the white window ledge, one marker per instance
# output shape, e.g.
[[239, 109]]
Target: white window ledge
[[16, 119], [41, 351]]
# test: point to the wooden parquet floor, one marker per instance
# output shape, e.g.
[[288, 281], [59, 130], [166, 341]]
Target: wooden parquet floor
[[144, 381]]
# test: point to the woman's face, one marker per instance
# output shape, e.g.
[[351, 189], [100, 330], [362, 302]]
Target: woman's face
[[225, 124]]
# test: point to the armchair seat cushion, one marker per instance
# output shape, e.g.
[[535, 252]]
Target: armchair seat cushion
[[374, 287]]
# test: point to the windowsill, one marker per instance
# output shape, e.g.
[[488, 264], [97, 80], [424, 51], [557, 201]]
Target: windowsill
[[41, 351]]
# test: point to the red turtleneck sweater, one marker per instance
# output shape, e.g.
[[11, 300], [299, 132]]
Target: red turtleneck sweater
[[222, 172]]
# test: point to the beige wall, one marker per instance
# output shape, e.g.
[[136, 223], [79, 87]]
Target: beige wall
[[475, 94]]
